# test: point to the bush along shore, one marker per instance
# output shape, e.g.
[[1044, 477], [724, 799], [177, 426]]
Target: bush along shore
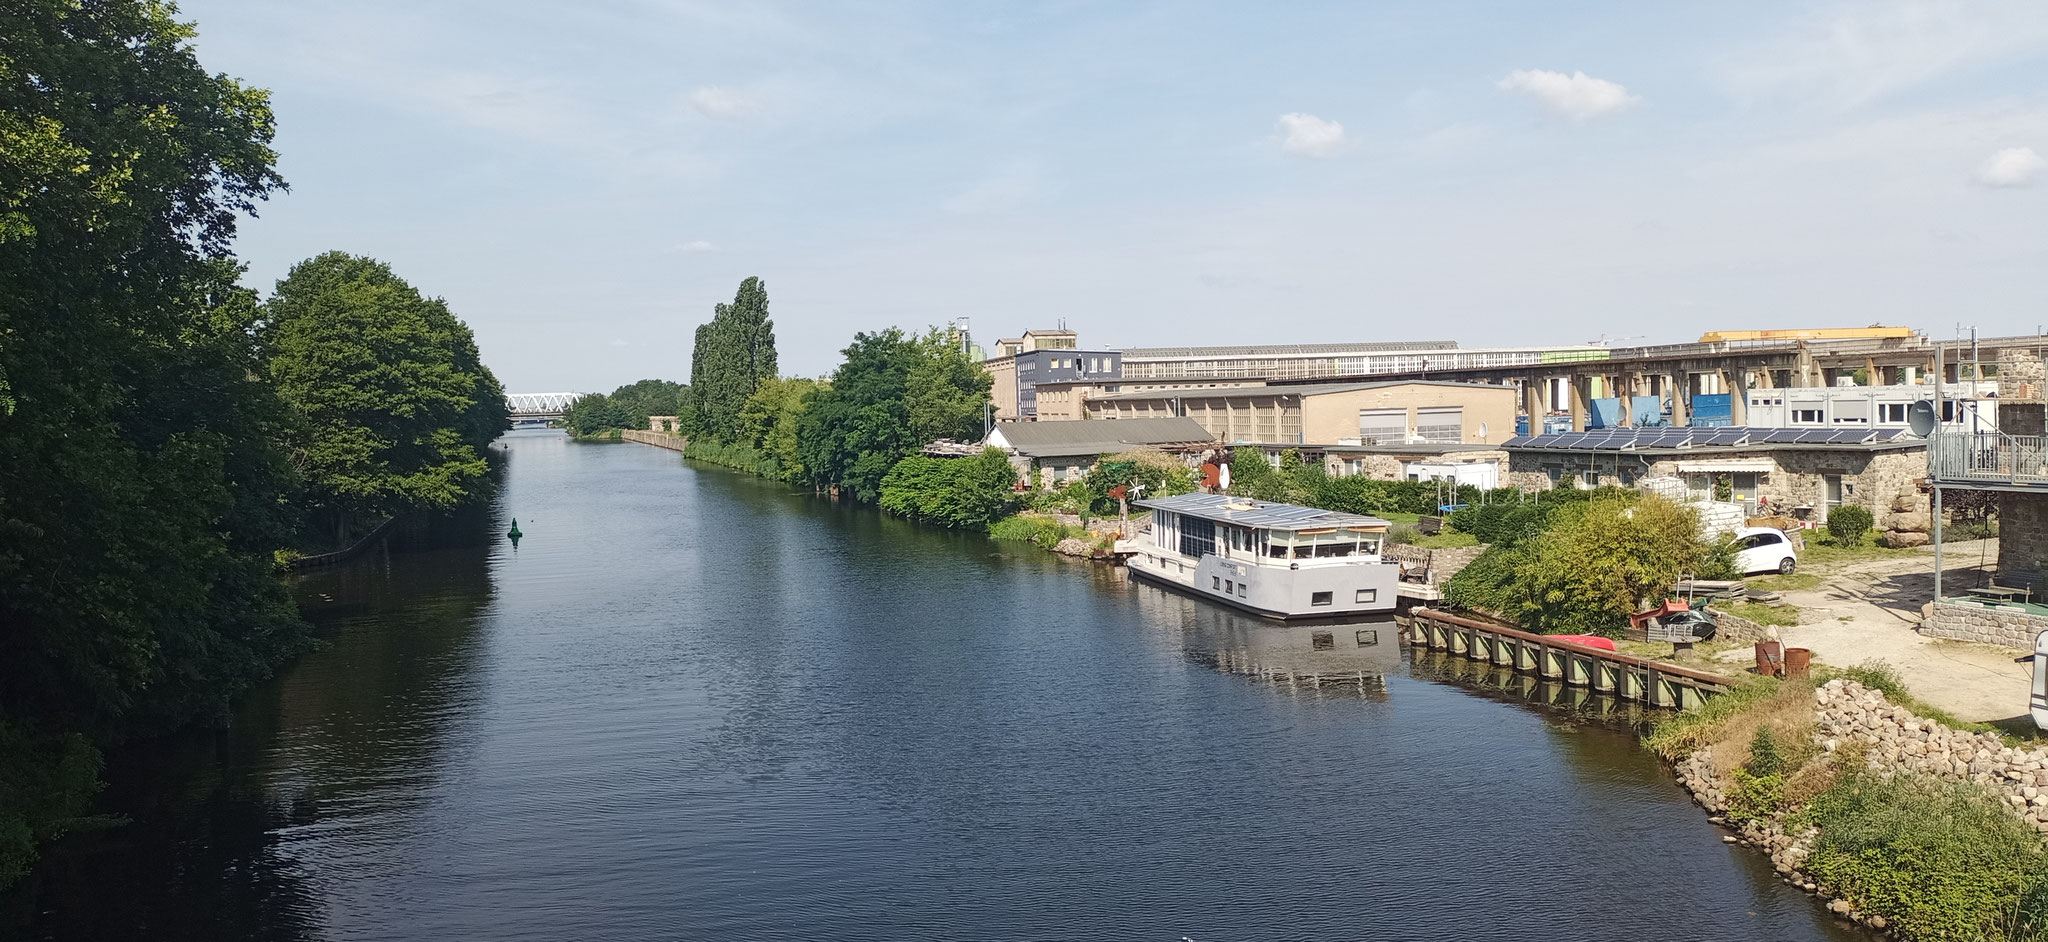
[[1903, 823]]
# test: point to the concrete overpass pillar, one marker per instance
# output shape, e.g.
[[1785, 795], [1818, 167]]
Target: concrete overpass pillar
[[1680, 384], [1738, 397], [1535, 402], [1578, 393]]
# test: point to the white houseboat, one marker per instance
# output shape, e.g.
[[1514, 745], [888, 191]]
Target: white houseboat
[[1276, 560]]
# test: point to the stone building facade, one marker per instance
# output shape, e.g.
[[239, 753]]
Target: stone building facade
[[2023, 517], [1883, 480]]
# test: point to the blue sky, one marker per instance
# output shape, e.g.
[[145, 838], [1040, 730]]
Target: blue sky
[[584, 181]]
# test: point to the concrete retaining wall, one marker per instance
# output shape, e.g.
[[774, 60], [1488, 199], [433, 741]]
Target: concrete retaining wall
[[657, 439], [1985, 624]]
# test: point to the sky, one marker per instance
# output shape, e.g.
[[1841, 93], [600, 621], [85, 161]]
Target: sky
[[583, 182]]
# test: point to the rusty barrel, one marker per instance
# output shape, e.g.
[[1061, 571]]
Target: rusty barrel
[[1797, 661]]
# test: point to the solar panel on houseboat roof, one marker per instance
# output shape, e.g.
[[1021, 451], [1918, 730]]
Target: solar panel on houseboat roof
[[1261, 515]]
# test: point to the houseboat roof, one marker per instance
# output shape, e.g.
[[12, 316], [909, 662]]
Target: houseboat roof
[[1258, 514]]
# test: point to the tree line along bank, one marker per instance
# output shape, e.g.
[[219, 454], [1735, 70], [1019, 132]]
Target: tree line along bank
[[165, 434]]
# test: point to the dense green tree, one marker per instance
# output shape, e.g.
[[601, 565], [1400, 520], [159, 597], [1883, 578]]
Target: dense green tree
[[628, 406], [139, 488], [887, 400], [734, 351], [383, 387], [1594, 562], [768, 422], [952, 492]]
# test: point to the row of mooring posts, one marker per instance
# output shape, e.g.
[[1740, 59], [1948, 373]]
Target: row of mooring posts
[[1575, 665]]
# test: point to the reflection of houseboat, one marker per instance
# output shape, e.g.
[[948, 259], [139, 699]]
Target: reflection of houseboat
[[1277, 560]]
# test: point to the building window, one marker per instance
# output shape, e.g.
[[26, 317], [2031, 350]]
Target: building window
[[1322, 598], [1367, 595], [1382, 425], [1441, 424], [1367, 637], [1322, 641], [1892, 412], [1806, 415]]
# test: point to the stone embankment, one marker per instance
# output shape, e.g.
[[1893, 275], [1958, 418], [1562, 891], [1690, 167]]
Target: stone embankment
[[1850, 718]]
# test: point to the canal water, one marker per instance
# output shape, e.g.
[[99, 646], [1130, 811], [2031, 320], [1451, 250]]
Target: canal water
[[691, 704]]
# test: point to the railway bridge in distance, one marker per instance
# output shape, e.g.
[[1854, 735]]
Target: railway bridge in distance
[[535, 409]]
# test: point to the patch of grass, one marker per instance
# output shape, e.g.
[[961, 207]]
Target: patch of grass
[[1042, 532], [1679, 736], [1448, 539], [1395, 516], [1782, 616], [1793, 583], [1939, 860], [1824, 550]]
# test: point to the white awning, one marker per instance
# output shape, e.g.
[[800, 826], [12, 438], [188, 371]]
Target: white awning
[[1736, 465]]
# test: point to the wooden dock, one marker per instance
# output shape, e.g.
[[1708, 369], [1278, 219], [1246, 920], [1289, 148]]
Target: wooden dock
[[1574, 665]]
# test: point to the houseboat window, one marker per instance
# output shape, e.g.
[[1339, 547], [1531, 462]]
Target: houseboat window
[[1322, 641], [1278, 545], [1366, 595], [1240, 590], [1367, 637], [1197, 537], [1229, 587], [1322, 598]]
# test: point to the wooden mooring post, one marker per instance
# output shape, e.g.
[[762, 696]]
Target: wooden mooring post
[[1609, 672]]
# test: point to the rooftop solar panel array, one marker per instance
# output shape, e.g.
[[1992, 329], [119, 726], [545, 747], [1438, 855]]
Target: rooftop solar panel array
[[1730, 436]]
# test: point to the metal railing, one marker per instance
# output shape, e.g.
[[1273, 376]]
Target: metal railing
[[1987, 458]]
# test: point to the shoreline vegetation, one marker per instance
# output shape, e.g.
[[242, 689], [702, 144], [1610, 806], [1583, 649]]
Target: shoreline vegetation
[[167, 436], [1903, 823]]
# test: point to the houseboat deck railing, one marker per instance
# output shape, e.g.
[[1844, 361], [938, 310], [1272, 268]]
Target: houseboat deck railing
[[1988, 458], [1625, 676]]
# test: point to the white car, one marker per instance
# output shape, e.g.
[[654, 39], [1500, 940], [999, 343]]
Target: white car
[[1764, 549]]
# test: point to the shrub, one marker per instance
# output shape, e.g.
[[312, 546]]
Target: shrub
[[1041, 532], [1848, 523], [952, 492], [1764, 758], [1403, 533], [1939, 860]]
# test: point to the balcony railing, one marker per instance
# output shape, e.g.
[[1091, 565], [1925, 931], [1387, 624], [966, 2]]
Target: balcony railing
[[1988, 458]]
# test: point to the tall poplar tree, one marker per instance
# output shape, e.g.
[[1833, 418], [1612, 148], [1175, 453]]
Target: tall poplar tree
[[734, 352]]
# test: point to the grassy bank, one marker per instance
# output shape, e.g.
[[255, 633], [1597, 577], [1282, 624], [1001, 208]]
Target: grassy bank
[[1926, 856]]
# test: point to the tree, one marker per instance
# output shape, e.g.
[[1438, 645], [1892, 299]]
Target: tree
[[1594, 562], [628, 406], [733, 353], [382, 385], [139, 486], [893, 395], [953, 492], [768, 423]]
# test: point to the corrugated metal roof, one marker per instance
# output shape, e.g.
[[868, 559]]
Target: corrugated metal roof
[[1289, 349], [1093, 437], [1246, 512]]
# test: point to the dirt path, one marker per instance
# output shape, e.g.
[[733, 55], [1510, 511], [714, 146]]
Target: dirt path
[[1868, 611]]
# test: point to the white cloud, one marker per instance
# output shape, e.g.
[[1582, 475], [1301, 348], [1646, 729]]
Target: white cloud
[[696, 247], [1310, 136], [713, 101], [2011, 166], [1577, 96]]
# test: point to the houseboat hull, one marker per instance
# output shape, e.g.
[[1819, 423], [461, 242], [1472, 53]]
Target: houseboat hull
[[1341, 591]]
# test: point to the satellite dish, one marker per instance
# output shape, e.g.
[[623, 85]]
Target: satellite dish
[[1920, 417]]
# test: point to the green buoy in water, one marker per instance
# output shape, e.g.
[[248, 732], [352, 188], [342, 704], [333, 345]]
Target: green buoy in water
[[515, 534]]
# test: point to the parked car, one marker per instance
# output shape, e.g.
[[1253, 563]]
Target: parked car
[[1764, 550]]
